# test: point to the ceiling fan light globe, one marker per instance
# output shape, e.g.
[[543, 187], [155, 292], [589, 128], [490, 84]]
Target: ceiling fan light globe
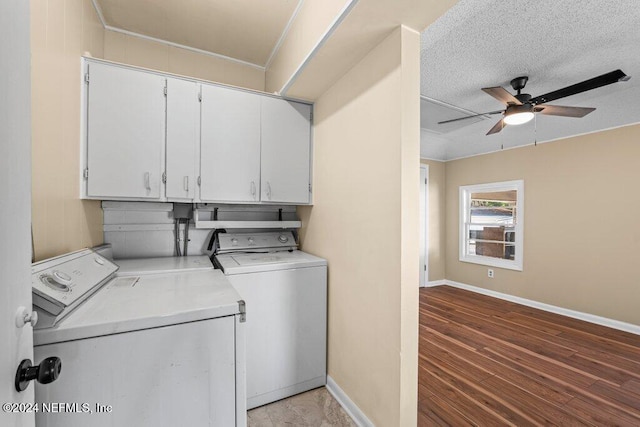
[[518, 118]]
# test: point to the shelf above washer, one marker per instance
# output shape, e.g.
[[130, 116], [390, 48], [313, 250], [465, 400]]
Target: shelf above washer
[[247, 224], [204, 219]]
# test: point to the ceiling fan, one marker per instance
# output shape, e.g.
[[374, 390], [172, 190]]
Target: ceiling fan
[[522, 106]]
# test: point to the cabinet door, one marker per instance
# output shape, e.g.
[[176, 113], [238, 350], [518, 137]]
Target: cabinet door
[[286, 132], [125, 132], [229, 145], [183, 119]]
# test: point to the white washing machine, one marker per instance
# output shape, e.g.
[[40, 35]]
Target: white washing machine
[[160, 345], [285, 290]]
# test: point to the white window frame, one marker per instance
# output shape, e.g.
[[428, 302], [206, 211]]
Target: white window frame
[[465, 200]]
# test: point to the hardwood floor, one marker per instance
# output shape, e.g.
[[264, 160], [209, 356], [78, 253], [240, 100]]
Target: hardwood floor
[[486, 362]]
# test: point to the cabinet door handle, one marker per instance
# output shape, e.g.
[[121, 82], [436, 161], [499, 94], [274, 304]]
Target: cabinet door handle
[[186, 184], [147, 181], [268, 190], [253, 189]]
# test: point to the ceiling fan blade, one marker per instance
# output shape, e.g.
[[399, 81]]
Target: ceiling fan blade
[[469, 117], [502, 95], [596, 82], [558, 110], [497, 127]]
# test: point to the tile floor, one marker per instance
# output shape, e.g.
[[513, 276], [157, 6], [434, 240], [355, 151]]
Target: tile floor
[[315, 408]]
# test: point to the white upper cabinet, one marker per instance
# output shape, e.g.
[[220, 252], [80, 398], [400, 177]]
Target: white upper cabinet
[[210, 143], [125, 133], [286, 135], [229, 145], [183, 120]]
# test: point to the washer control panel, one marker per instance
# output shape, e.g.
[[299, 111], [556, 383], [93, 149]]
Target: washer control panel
[[260, 241], [62, 281]]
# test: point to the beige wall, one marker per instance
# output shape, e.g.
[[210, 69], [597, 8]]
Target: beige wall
[[60, 32], [366, 191], [436, 218], [145, 53], [581, 239], [364, 27], [312, 21], [409, 223]]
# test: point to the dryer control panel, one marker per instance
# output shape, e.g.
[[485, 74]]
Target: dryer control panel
[[60, 284]]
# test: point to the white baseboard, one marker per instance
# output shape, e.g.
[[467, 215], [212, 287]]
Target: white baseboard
[[433, 283], [347, 404], [591, 318]]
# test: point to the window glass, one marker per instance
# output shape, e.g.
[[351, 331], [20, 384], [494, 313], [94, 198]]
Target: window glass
[[490, 224]]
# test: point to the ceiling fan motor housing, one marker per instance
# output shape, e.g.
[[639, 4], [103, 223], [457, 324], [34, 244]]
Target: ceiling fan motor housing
[[518, 109]]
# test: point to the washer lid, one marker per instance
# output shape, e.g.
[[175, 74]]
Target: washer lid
[[141, 302], [140, 266], [241, 263]]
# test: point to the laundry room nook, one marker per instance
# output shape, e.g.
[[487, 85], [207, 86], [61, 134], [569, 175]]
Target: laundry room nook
[[232, 213], [198, 208]]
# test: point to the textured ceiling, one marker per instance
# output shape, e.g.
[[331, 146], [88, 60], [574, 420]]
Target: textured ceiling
[[484, 43], [247, 30]]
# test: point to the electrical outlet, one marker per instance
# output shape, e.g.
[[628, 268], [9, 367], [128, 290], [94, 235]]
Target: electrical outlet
[[490, 273]]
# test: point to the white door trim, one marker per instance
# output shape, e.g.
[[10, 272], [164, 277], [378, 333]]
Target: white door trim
[[15, 209], [424, 225]]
